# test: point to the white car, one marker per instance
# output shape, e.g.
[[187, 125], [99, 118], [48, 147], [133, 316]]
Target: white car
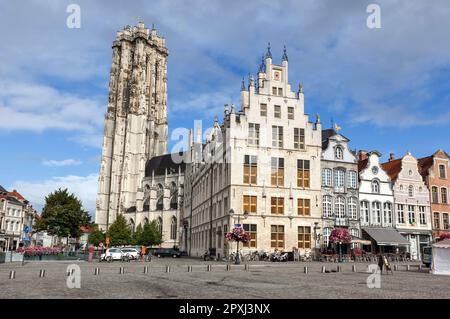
[[112, 254], [133, 253]]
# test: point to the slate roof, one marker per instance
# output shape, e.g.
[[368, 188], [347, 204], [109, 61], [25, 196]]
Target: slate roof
[[326, 134], [2, 190], [159, 164]]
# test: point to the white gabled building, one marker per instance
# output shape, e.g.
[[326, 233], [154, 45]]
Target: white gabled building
[[268, 165], [377, 205]]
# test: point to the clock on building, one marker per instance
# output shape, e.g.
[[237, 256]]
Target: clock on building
[[277, 75]]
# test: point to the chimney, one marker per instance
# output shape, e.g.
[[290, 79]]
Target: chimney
[[362, 155], [391, 157]]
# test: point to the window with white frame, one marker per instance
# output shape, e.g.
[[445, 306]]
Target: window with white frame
[[400, 213], [365, 212], [277, 136], [376, 213], [411, 214], [387, 213], [411, 191], [339, 207], [422, 216], [326, 236], [444, 199], [353, 208], [442, 171], [339, 178], [352, 179], [354, 232], [326, 177], [375, 186], [338, 153], [253, 134], [299, 138], [327, 210]]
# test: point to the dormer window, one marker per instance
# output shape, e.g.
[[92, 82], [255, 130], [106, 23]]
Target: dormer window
[[338, 153], [442, 171]]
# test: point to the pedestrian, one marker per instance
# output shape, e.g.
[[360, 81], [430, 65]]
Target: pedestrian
[[380, 263]]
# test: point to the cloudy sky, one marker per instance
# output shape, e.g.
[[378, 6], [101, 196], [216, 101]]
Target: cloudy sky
[[388, 88]]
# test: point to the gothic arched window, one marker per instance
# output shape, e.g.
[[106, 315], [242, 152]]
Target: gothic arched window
[[173, 228], [375, 186], [160, 197], [159, 225], [173, 196]]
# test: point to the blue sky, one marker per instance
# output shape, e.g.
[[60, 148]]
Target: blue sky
[[388, 88]]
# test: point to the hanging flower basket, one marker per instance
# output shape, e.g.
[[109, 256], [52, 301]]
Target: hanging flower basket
[[444, 236], [238, 234], [340, 235]]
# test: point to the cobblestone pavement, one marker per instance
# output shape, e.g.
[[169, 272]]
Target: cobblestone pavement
[[262, 280]]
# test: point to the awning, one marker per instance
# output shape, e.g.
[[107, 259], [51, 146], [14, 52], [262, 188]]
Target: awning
[[358, 240], [386, 236]]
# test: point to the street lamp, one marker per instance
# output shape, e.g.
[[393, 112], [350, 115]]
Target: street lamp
[[340, 251], [316, 238], [238, 258]]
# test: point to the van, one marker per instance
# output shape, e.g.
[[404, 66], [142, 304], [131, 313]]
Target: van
[[427, 253]]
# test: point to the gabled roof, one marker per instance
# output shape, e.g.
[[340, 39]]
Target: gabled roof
[[426, 162], [362, 164], [17, 195], [424, 165], [393, 168], [2, 190], [159, 164], [326, 134]]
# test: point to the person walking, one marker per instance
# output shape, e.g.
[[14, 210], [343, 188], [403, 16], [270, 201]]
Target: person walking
[[380, 263]]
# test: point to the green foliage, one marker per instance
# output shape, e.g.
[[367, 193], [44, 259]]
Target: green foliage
[[96, 237], [150, 235], [63, 215], [119, 232], [137, 234]]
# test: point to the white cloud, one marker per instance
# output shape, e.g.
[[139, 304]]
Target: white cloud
[[84, 187], [33, 107], [65, 162]]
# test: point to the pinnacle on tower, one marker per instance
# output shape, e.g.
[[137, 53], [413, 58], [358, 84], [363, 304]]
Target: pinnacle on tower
[[268, 53], [262, 66], [284, 57], [243, 84]]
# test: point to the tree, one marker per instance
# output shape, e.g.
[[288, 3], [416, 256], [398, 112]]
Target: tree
[[96, 237], [137, 234], [119, 232], [63, 215], [150, 235]]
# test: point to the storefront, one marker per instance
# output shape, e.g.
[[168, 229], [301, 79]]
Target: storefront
[[418, 239], [384, 240]]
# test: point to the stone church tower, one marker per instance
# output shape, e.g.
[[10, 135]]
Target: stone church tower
[[135, 122]]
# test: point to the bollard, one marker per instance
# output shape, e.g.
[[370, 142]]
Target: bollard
[[96, 271], [121, 270], [189, 268], [208, 268], [247, 267], [420, 267], [323, 269], [146, 270], [338, 269], [305, 269], [68, 273], [353, 268], [12, 274], [41, 273], [408, 267], [167, 268], [228, 268]]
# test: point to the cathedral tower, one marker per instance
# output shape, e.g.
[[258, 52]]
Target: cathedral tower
[[136, 119]]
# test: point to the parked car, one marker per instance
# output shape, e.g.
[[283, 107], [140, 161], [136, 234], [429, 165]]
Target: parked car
[[112, 254], [167, 252], [427, 255], [133, 253]]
